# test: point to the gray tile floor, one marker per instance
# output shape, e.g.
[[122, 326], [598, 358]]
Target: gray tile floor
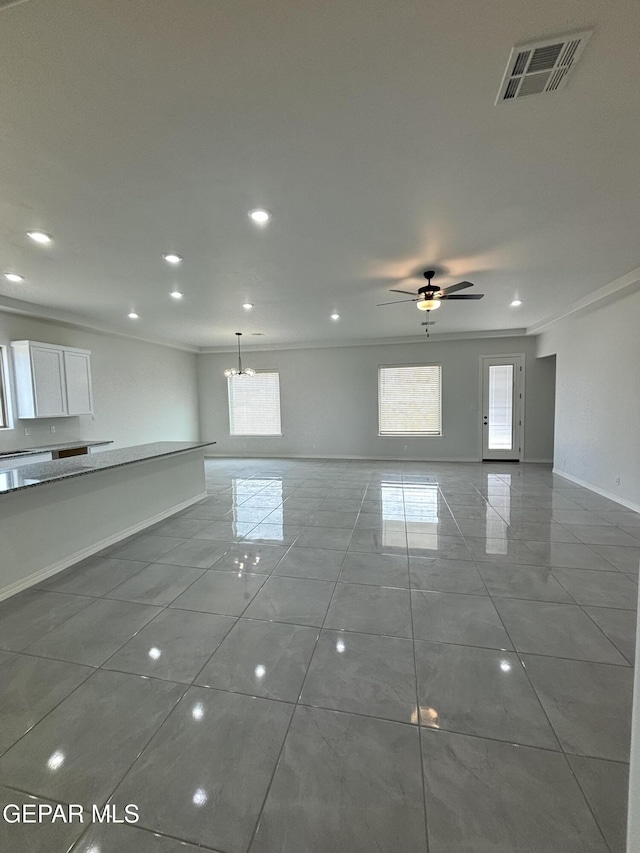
[[335, 656]]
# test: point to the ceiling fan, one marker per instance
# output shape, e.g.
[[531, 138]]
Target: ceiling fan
[[429, 297]]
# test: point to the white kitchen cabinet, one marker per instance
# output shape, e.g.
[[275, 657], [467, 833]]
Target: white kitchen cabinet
[[48, 381], [51, 381], [77, 372]]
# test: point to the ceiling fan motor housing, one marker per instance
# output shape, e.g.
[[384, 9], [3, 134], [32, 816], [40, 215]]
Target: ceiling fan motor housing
[[429, 290]]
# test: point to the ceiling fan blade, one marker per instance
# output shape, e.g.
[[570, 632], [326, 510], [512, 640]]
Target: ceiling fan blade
[[461, 285], [408, 292], [395, 302], [465, 296]]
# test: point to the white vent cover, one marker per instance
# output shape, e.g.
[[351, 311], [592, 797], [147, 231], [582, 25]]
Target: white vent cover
[[541, 66]]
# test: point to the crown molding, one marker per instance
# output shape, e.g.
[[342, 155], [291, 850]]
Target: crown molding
[[617, 288], [370, 342], [65, 318], [9, 305]]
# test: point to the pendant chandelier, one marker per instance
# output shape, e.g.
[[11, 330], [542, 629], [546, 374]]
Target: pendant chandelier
[[239, 371]]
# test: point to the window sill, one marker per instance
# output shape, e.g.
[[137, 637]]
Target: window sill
[[405, 436]]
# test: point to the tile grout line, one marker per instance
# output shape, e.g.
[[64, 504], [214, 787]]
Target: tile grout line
[[237, 619], [26, 653], [476, 564], [50, 711], [555, 734], [419, 726], [332, 710], [137, 827], [296, 705]]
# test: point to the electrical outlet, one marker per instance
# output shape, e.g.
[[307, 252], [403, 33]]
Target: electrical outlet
[[27, 431], [53, 429], [617, 481]]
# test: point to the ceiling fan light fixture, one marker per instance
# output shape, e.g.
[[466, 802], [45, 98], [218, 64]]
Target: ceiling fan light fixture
[[428, 304], [429, 296]]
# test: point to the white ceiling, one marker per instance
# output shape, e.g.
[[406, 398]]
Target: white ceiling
[[132, 128]]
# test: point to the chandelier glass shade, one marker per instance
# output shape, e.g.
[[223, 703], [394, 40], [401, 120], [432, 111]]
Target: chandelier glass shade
[[428, 304], [239, 370]]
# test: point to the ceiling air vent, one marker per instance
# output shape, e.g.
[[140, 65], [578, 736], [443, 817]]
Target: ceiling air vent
[[542, 66]]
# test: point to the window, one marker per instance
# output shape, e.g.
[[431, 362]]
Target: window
[[4, 403], [501, 389], [254, 404], [410, 399]]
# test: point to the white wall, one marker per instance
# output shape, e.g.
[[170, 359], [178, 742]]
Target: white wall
[[633, 825], [597, 431], [142, 392], [329, 400]]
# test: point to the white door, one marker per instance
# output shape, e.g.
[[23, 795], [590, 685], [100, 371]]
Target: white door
[[48, 382], [78, 378], [502, 407]]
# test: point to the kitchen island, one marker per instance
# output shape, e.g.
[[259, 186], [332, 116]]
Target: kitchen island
[[53, 514], [55, 451]]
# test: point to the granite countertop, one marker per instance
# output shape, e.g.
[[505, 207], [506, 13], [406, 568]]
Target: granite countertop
[[27, 476], [49, 448]]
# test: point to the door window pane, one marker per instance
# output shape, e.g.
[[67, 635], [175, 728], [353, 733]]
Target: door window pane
[[501, 407]]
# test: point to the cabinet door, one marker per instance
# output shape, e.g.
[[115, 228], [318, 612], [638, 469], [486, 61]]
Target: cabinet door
[[48, 382], [78, 377]]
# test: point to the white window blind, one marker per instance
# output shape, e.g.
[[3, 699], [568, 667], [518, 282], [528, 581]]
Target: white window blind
[[410, 399], [254, 404]]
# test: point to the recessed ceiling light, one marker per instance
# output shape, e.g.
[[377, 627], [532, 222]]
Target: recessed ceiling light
[[515, 303], [132, 315], [14, 277], [335, 316], [40, 237], [247, 306], [260, 216], [172, 258], [177, 294]]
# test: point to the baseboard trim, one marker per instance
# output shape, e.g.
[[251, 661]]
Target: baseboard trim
[[53, 569], [338, 456], [360, 458], [603, 492]]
